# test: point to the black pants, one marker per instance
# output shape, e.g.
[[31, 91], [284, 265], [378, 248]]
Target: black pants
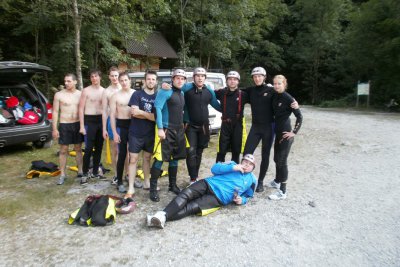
[[191, 200], [123, 131], [93, 139], [281, 153], [230, 139], [198, 137], [264, 133]]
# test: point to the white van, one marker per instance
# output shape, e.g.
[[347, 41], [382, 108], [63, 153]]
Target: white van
[[214, 80]]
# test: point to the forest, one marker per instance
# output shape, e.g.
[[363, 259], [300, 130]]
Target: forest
[[324, 48]]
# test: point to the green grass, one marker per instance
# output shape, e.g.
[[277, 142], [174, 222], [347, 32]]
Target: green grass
[[19, 195]]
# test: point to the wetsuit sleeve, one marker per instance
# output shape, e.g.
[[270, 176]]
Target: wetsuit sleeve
[[297, 113], [214, 102], [245, 97], [161, 99], [219, 94], [299, 120], [221, 168], [187, 87]]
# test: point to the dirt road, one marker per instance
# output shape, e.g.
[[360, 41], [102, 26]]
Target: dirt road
[[343, 189]]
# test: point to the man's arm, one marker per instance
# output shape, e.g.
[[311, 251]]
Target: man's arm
[[56, 107], [221, 168], [214, 101], [104, 102], [82, 102], [113, 113], [141, 114]]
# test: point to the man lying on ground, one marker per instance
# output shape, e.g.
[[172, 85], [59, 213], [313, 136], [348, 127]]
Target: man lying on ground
[[231, 183]]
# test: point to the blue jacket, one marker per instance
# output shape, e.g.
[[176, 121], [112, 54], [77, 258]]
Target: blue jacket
[[226, 181]]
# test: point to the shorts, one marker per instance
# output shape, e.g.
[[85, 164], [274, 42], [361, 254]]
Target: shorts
[[69, 133], [109, 130], [137, 144], [173, 147]]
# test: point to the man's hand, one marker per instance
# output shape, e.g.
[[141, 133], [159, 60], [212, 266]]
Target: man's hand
[[161, 134], [82, 130], [117, 138], [238, 200], [238, 168], [105, 134], [166, 86], [135, 111], [56, 134]]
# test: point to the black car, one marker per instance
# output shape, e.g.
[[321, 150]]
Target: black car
[[25, 113]]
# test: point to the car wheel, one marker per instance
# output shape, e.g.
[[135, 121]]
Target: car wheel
[[43, 144]]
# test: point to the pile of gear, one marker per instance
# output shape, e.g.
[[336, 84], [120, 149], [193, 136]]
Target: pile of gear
[[101, 210], [18, 111]]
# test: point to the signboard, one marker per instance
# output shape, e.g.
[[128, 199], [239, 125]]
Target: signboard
[[363, 89]]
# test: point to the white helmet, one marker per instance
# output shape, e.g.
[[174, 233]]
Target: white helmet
[[258, 71], [179, 72], [200, 71], [250, 158], [233, 74]]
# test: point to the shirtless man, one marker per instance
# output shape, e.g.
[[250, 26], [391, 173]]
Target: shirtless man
[[120, 116], [107, 131], [66, 104], [90, 116]]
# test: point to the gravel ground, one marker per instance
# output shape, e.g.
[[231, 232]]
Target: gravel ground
[[342, 191]]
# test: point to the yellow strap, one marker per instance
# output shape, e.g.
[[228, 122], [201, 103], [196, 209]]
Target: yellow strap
[[208, 211], [244, 135], [108, 151]]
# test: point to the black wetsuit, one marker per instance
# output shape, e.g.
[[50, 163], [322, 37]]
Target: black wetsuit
[[93, 139], [282, 111], [231, 133], [123, 131], [198, 127], [260, 98]]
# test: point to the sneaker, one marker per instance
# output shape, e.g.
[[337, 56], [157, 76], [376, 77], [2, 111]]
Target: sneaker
[[274, 184], [121, 188], [158, 219], [100, 177], [79, 175], [114, 180], [61, 180], [137, 184], [278, 195], [149, 224], [84, 179]]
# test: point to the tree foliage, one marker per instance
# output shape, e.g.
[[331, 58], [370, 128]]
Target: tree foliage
[[323, 47]]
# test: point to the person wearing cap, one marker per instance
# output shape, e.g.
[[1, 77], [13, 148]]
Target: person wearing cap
[[260, 99], [231, 182], [197, 98], [232, 135], [170, 143]]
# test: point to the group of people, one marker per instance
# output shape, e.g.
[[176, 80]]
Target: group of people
[[172, 123]]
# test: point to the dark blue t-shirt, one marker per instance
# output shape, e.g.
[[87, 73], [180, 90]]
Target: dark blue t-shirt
[[145, 102]]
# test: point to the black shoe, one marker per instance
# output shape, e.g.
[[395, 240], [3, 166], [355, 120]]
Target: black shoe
[[174, 188], [154, 196], [260, 188]]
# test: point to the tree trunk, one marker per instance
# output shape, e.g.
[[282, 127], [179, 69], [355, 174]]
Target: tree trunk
[[78, 59], [36, 45]]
